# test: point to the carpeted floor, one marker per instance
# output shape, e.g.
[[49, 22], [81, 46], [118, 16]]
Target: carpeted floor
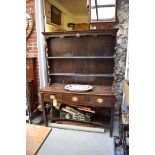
[[72, 142]]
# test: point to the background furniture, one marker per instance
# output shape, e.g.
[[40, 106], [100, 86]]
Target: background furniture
[[31, 86], [81, 26], [81, 57], [28, 106], [35, 137]]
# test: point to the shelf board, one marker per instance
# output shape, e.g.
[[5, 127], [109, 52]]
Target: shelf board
[[79, 74], [73, 33], [81, 57], [101, 123]]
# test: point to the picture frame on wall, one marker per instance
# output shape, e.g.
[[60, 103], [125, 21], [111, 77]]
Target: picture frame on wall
[[55, 15]]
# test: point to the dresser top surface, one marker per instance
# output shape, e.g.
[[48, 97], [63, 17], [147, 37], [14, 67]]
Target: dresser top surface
[[82, 32], [97, 90]]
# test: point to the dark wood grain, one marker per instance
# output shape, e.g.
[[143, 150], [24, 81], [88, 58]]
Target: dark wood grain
[[91, 55], [81, 57], [31, 83], [108, 31], [30, 66], [97, 90], [82, 46]]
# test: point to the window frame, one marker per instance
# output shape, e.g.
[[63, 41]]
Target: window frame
[[101, 6]]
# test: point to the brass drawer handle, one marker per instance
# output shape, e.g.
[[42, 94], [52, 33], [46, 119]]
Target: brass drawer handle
[[75, 99], [100, 100], [52, 97]]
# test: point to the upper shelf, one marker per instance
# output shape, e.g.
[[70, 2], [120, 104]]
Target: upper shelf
[[79, 74], [81, 57]]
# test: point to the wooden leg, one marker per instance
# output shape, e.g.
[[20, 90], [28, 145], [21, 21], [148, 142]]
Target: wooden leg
[[45, 118], [44, 114], [111, 130], [51, 112], [111, 124]]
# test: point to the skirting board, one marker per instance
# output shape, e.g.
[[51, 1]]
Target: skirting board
[[74, 127]]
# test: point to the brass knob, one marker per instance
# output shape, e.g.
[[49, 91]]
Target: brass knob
[[100, 100], [52, 97], [77, 35], [75, 99]]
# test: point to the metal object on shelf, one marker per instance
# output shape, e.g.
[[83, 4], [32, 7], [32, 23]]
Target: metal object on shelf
[[70, 113]]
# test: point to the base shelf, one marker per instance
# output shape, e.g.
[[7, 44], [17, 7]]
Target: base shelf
[[96, 121]]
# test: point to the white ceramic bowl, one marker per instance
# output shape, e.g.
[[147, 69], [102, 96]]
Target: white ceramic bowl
[[78, 87]]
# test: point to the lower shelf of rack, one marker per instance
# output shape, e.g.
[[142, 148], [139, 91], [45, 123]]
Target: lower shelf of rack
[[96, 121]]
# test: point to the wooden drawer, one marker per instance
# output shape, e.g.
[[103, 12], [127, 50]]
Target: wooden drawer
[[75, 99], [49, 97], [99, 101]]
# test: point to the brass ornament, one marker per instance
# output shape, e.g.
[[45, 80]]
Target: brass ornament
[[29, 23]]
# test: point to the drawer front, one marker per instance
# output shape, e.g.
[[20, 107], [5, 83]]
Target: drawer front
[[50, 97], [74, 99], [100, 101]]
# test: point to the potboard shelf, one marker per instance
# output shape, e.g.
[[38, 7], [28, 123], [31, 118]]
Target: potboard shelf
[[96, 122]]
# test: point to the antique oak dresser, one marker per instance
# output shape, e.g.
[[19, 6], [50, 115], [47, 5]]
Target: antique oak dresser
[[80, 57]]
